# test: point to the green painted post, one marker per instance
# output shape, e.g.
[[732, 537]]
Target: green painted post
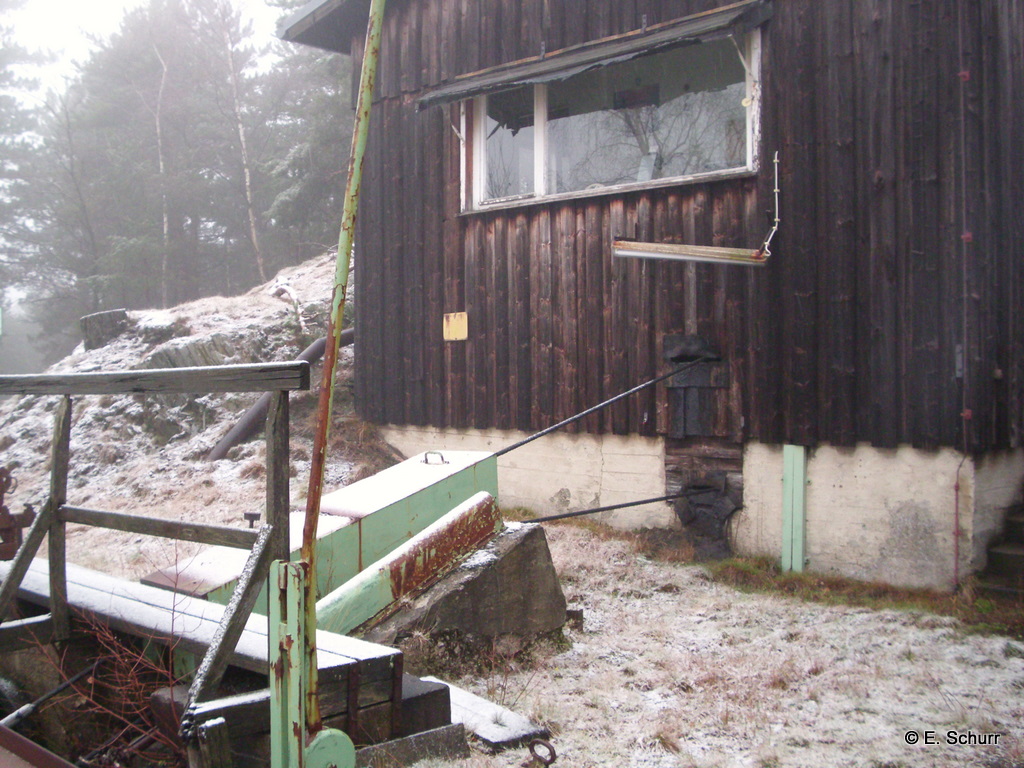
[[286, 627], [794, 507], [291, 745]]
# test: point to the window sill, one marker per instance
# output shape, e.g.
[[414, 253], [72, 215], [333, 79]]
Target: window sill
[[619, 189]]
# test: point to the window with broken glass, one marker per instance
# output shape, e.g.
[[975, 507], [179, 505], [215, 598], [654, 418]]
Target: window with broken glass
[[667, 116]]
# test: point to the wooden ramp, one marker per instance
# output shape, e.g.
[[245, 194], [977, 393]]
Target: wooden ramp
[[355, 676]]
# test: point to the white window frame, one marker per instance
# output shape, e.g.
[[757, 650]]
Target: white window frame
[[473, 183]]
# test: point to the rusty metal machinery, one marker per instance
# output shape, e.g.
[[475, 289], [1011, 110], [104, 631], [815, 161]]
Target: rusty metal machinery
[[11, 525]]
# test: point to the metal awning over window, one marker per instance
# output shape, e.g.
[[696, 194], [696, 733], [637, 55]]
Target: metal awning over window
[[736, 18]]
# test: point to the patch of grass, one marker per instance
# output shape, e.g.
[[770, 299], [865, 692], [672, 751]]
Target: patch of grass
[[1013, 651], [666, 544], [668, 741], [518, 514], [984, 615]]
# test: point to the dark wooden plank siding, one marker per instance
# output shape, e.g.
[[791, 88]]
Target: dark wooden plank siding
[[520, 369], [414, 277], [541, 317], [436, 131], [852, 333], [1008, 186], [392, 290], [591, 342]]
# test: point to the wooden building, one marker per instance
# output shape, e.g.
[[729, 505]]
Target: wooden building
[[512, 143]]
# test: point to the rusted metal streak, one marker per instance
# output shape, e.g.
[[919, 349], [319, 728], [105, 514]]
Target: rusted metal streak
[[11, 525], [437, 550]]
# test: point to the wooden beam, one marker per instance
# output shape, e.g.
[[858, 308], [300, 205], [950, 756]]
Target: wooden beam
[[218, 655], [214, 748], [278, 502], [217, 535], [20, 565], [189, 625], [60, 457], [681, 252], [262, 377]]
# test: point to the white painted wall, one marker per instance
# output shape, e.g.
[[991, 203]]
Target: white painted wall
[[872, 514], [562, 472]]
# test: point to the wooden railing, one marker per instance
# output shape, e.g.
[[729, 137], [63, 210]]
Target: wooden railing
[[268, 543]]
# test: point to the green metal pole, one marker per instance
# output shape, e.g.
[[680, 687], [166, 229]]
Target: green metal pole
[[287, 680], [360, 132], [794, 507]]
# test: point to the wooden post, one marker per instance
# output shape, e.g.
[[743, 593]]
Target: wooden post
[[215, 662], [794, 507], [60, 456], [278, 502], [21, 562], [213, 746]]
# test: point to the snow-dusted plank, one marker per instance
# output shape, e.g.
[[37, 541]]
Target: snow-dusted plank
[[188, 623], [494, 725], [220, 535], [260, 377]]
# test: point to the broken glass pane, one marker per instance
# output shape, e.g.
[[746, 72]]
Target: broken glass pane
[[663, 115]]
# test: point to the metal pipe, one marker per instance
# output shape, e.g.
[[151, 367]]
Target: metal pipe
[[594, 511], [22, 712], [599, 406], [252, 420], [360, 133]]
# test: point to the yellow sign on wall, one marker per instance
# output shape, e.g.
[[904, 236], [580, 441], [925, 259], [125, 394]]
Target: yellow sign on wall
[[456, 326]]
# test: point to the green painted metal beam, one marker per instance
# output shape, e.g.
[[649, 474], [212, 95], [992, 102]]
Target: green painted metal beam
[[395, 505], [794, 507], [415, 564]]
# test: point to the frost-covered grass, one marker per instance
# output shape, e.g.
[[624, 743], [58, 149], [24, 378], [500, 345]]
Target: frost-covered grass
[[673, 668]]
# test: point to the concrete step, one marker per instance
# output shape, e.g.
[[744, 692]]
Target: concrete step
[[1014, 530], [1001, 586], [1006, 559]]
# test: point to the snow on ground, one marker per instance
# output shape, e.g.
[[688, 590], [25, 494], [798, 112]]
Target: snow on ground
[[673, 670], [669, 668]]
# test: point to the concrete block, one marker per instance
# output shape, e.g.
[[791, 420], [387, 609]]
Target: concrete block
[[562, 472], [445, 743], [507, 588], [495, 726], [426, 705]]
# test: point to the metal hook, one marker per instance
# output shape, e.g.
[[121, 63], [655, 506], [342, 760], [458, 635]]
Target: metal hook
[[547, 759]]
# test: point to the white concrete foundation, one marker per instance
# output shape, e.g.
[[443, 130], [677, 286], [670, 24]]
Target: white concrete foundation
[[885, 515], [563, 472], [873, 514]]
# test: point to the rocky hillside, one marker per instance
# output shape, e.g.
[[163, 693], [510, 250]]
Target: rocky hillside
[[147, 454]]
